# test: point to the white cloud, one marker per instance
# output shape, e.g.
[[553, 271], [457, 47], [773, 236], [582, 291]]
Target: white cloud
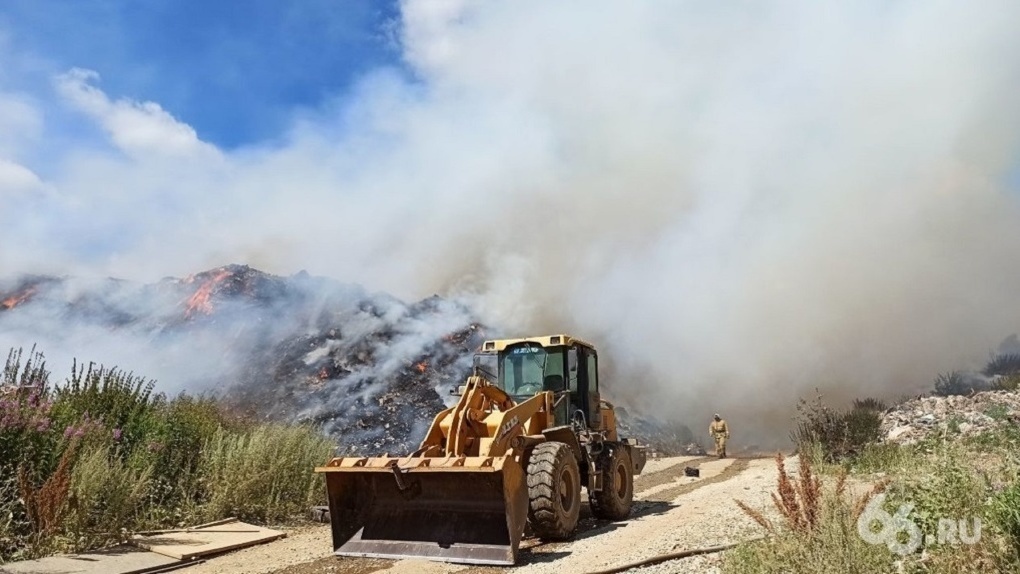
[[135, 127], [15, 178], [20, 123]]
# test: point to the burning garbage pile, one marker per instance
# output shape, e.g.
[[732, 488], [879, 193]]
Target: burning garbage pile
[[22, 292], [957, 415], [666, 438], [367, 367], [372, 370], [374, 379]]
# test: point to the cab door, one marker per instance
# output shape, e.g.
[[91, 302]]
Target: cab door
[[594, 413], [582, 365]]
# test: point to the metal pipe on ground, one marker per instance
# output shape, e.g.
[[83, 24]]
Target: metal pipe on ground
[[673, 556]]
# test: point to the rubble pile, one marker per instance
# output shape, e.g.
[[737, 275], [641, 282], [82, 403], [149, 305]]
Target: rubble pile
[[958, 415]]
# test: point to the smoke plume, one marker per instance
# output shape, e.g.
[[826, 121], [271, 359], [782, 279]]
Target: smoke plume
[[737, 202]]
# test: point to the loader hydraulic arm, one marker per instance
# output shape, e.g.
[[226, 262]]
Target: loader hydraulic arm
[[484, 421]]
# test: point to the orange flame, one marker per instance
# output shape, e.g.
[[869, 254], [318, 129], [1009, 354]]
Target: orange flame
[[323, 374], [199, 302], [422, 366], [17, 298]]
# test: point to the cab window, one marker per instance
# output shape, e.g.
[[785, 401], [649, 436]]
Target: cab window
[[527, 370]]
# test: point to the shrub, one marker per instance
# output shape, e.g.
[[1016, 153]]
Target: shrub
[[265, 475], [98, 453], [837, 434], [120, 401], [1010, 382], [32, 373], [175, 435], [12, 522], [870, 404], [1003, 364], [957, 383], [25, 417], [106, 495]]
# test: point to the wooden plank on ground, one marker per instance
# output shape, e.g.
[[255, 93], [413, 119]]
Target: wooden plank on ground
[[206, 540], [125, 559]]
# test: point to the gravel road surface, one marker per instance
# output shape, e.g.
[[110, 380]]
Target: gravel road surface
[[672, 512]]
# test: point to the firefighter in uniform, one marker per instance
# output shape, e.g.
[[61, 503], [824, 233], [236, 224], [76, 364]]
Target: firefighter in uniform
[[720, 432]]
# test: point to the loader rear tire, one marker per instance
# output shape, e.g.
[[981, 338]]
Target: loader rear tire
[[613, 502], [554, 491]]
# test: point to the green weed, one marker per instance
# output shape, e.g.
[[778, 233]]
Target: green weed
[[264, 475]]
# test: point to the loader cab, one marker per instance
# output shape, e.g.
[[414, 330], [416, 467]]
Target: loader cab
[[556, 363]]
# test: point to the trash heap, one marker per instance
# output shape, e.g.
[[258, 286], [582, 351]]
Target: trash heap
[[666, 438], [370, 370], [956, 415]]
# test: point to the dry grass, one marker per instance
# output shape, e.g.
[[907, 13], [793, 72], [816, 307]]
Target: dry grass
[[756, 516], [45, 504], [798, 499], [862, 502], [816, 531]]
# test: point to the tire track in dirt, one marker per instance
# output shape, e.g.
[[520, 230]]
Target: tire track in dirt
[[648, 481], [658, 502], [587, 522], [670, 494]]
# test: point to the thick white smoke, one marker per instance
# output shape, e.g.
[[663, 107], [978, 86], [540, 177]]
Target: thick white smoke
[[738, 202]]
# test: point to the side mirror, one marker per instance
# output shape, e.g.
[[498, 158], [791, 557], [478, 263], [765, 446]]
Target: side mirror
[[572, 360]]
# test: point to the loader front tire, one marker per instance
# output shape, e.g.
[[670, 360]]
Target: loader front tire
[[613, 502], [554, 491]]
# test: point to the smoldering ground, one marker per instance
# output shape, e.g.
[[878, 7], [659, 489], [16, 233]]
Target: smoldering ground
[[737, 202]]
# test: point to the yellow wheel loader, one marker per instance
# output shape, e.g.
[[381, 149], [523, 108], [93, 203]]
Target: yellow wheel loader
[[528, 432]]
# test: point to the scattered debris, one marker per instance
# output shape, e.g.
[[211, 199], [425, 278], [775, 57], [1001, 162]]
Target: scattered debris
[[922, 417]]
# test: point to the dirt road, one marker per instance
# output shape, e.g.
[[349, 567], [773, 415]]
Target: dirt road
[[672, 512]]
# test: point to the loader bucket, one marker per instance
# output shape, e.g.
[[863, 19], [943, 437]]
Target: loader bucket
[[469, 510]]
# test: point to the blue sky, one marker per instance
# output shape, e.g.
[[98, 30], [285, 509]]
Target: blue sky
[[235, 71]]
